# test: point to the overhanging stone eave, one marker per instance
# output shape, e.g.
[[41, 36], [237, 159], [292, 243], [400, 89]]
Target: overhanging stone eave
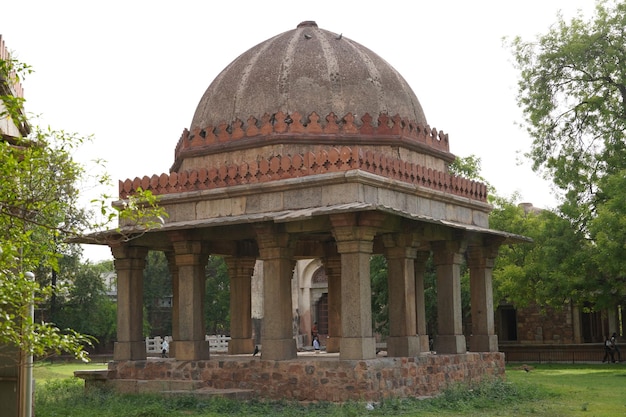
[[298, 215], [286, 216]]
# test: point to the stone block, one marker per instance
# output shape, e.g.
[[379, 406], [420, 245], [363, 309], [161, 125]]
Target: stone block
[[279, 349], [192, 350], [403, 346], [180, 212], [357, 348], [303, 198], [341, 194], [123, 351]]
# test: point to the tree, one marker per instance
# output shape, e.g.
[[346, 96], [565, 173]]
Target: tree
[[39, 212], [572, 91], [217, 297], [84, 303], [380, 294], [157, 286]]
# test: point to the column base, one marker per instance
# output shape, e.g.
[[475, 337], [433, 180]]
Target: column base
[[191, 350], [278, 349], [402, 346], [357, 348], [129, 351], [452, 344], [424, 343], [333, 344], [483, 343], [240, 346]]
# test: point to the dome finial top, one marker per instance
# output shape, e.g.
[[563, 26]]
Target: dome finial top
[[308, 24]]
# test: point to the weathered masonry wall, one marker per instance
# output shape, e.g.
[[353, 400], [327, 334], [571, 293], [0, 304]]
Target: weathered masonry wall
[[314, 379]]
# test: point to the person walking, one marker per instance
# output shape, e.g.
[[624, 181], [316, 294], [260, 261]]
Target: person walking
[[608, 351], [615, 347]]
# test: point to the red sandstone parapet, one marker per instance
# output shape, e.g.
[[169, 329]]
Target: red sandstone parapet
[[295, 124], [284, 167]]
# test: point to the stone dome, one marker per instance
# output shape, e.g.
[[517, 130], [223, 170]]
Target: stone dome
[[307, 70]]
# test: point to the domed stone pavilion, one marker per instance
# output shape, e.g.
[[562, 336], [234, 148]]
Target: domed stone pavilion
[[309, 145]]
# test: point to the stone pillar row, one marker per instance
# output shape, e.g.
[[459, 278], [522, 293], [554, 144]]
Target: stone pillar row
[[350, 315]]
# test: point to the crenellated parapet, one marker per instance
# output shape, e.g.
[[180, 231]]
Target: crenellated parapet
[[280, 167], [295, 126]]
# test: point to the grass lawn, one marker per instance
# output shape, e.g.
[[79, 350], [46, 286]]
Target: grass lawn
[[580, 390], [548, 390], [45, 371]]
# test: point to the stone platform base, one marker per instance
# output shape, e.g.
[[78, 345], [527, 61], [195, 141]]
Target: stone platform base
[[321, 377]]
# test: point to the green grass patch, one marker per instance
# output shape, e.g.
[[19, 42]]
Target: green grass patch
[[46, 371], [547, 390]]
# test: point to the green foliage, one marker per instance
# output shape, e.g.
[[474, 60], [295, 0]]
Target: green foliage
[[572, 90], [85, 306], [217, 300], [68, 398], [157, 285], [552, 270], [380, 294], [40, 185]]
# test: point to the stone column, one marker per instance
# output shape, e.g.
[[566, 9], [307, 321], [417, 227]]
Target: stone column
[[420, 303], [191, 259], [129, 265], [448, 258], [240, 272], [354, 243], [171, 263], [480, 261], [332, 265], [277, 338], [402, 340]]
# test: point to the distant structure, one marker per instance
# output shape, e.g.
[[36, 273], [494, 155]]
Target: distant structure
[[311, 146], [569, 333]]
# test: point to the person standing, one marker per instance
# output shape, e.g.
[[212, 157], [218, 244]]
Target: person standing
[[165, 347], [316, 344], [314, 332], [608, 351], [615, 347]]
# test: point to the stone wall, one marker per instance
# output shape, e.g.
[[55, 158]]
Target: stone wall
[[315, 378], [545, 326]]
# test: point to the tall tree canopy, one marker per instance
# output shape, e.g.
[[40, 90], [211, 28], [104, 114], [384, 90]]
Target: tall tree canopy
[[572, 91], [573, 94]]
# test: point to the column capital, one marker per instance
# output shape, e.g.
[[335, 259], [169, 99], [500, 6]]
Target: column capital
[[126, 251], [356, 226], [272, 241], [449, 251], [482, 255]]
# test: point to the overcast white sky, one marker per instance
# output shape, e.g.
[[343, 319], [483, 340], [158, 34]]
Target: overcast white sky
[[132, 72]]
